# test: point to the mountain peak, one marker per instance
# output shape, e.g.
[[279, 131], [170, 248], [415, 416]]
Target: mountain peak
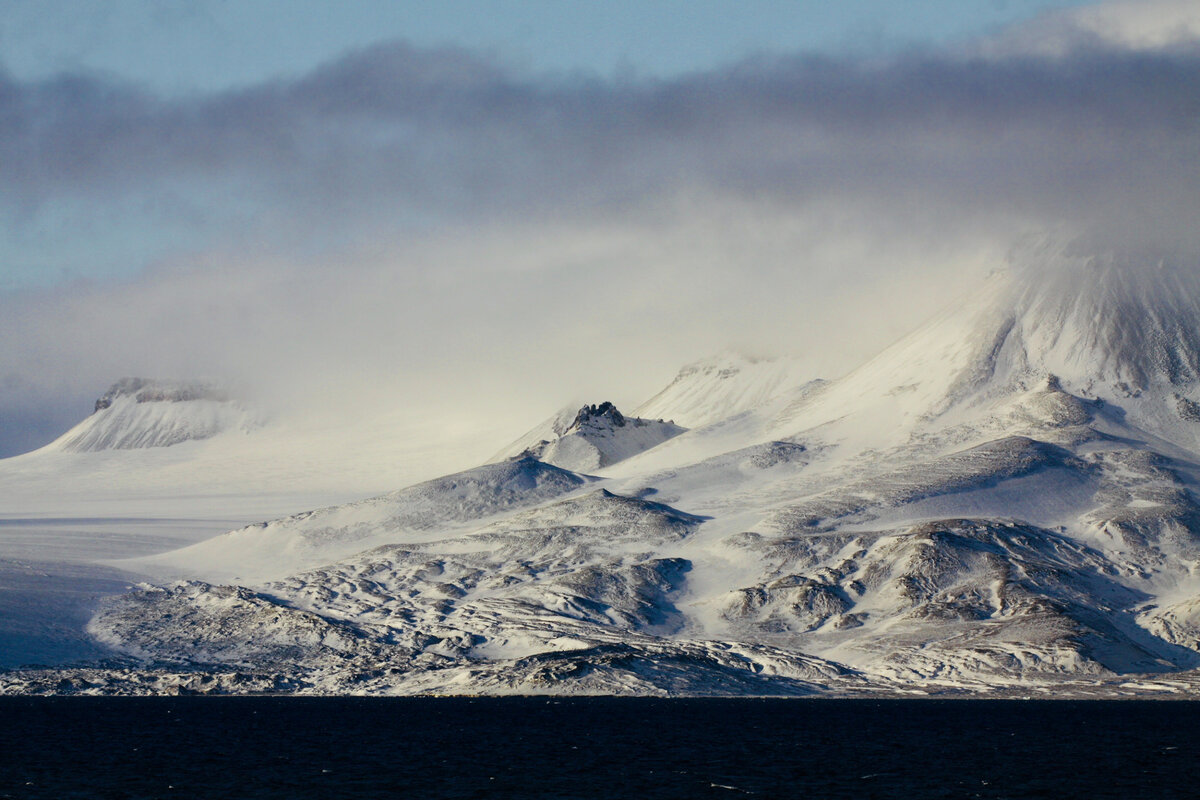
[[1101, 328], [603, 415], [591, 438], [150, 390], [1108, 321], [136, 413]]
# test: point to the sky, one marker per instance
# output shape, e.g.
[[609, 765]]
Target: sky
[[212, 45], [473, 209]]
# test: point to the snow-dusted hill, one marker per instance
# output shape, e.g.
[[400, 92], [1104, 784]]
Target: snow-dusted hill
[[1004, 501], [591, 438], [427, 510]]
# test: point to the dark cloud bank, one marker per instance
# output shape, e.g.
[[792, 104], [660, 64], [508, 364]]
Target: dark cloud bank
[[437, 225]]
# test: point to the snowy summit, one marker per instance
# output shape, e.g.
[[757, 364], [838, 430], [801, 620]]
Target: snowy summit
[[592, 437], [137, 413]]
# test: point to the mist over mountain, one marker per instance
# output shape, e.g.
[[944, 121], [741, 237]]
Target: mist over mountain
[[1005, 499], [964, 458], [137, 412], [352, 238]]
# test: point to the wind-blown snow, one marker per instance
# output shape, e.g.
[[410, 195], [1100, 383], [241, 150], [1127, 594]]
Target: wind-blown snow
[[427, 510], [719, 388]]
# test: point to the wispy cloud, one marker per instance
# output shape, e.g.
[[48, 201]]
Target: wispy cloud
[[1124, 24]]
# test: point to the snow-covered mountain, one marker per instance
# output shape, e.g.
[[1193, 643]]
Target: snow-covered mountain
[[1094, 329], [156, 449], [137, 413], [1003, 501], [590, 438]]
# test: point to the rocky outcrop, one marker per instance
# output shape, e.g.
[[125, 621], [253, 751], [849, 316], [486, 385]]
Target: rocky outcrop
[[148, 390]]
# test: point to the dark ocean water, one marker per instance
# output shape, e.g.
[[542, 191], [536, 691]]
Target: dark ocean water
[[595, 748]]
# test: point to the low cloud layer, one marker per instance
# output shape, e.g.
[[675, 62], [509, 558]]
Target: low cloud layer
[[394, 137], [431, 229]]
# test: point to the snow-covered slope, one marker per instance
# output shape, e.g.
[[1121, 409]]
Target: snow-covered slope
[[1096, 329], [721, 387], [156, 450], [427, 510], [1008, 499], [137, 413], [591, 438]]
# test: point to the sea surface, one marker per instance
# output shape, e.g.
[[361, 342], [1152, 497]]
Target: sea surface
[[273, 747]]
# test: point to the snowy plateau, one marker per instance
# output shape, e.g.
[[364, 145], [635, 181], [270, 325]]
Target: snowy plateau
[[1002, 503]]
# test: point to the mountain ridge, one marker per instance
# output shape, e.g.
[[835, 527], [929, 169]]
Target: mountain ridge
[[1005, 499]]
